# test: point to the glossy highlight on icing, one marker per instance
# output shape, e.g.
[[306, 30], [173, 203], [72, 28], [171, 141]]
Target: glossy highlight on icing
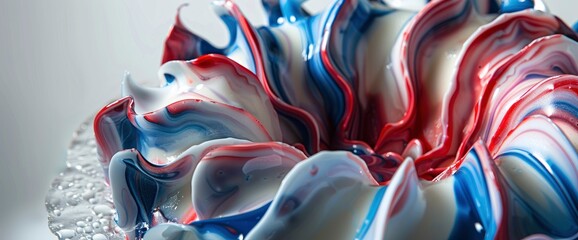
[[449, 119]]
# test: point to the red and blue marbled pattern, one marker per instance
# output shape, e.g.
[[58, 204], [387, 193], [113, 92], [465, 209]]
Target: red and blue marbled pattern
[[366, 121]]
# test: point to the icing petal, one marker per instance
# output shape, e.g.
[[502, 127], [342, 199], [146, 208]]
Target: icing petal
[[235, 179], [540, 166], [139, 187], [339, 179], [181, 44]]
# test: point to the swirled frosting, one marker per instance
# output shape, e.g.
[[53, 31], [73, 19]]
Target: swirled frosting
[[455, 119]]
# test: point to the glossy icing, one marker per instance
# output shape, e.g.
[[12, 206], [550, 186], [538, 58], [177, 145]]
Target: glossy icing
[[367, 121]]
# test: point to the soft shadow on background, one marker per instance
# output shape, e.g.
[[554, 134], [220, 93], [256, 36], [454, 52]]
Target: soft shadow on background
[[60, 61]]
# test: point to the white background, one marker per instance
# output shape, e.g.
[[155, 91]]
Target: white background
[[62, 60]]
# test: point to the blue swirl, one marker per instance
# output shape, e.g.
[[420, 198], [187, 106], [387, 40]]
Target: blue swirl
[[509, 6]]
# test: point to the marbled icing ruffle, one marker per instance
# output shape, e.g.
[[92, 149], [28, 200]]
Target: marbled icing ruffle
[[452, 119]]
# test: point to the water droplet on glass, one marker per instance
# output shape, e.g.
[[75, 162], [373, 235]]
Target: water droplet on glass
[[99, 236], [66, 233], [79, 200]]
